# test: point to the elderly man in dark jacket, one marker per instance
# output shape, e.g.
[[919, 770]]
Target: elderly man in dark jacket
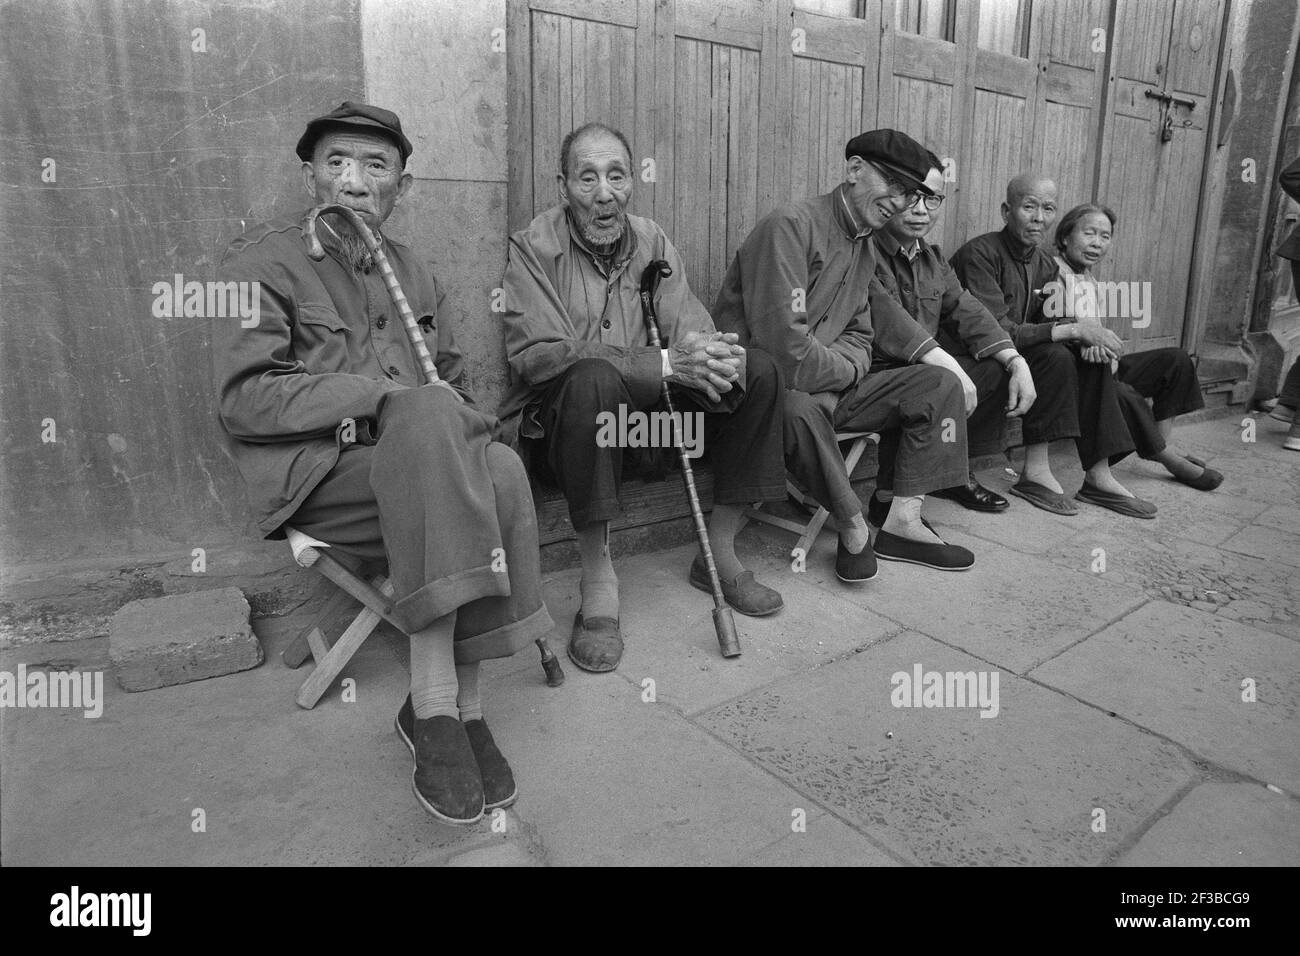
[[336, 434], [803, 288]]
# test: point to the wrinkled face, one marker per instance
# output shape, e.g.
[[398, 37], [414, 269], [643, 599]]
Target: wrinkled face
[[357, 170], [1089, 241], [598, 187], [874, 194], [1033, 213], [917, 219]]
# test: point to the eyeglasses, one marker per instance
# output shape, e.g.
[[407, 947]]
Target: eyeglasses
[[897, 187], [931, 202]]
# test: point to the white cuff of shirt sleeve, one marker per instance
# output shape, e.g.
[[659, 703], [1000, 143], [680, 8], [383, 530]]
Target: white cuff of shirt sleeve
[[667, 365]]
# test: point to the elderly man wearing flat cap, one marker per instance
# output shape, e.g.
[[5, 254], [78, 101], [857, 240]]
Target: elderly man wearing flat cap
[[337, 435], [803, 287]]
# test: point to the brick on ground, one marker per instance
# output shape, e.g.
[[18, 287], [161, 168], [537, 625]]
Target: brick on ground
[[158, 642]]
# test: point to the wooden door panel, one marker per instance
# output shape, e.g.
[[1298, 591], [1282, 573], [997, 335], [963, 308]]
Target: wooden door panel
[[826, 112], [1194, 47], [583, 71], [924, 58], [1141, 39], [994, 158], [1069, 32], [715, 158], [1068, 130]]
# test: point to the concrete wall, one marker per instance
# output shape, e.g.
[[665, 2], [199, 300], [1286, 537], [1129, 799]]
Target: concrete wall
[[163, 153], [433, 63], [165, 143], [1261, 56]]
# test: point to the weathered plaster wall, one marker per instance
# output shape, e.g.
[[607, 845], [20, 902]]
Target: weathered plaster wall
[[1261, 56], [441, 66], [162, 152]]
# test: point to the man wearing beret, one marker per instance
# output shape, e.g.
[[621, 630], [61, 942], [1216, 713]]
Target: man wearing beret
[[803, 287], [577, 345], [915, 273], [336, 434]]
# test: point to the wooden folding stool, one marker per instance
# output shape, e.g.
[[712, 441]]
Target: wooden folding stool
[[808, 530], [376, 597]]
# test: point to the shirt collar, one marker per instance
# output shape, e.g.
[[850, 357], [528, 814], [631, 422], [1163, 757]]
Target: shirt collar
[[892, 247], [845, 218]]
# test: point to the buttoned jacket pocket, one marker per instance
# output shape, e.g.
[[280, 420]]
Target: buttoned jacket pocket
[[320, 339]]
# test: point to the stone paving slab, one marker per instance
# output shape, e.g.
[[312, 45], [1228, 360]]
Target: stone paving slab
[[278, 785], [950, 787], [826, 841], [668, 628], [1223, 824], [1012, 609], [1260, 593], [1178, 671], [1268, 544], [1262, 470], [610, 780]]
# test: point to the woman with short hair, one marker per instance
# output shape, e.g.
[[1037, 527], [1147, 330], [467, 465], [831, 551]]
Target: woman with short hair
[[1165, 376]]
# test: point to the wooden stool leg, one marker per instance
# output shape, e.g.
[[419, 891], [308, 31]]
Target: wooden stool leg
[[329, 666], [297, 653]]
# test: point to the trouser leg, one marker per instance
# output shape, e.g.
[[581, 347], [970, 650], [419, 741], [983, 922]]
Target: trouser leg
[[1055, 412], [1290, 395], [743, 433], [1167, 377], [1103, 434], [926, 405], [986, 426], [452, 513], [590, 476]]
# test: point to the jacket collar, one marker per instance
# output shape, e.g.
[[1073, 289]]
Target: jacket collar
[[852, 227], [1015, 248], [607, 263]]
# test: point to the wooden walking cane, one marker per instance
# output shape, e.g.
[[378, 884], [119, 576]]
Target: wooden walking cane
[[724, 625], [550, 663]]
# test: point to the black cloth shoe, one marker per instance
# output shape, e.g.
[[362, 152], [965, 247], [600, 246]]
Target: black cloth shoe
[[942, 557], [878, 511], [974, 496], [445, 775], [852, 568], [498, 782], [596, 645], [743, 593]]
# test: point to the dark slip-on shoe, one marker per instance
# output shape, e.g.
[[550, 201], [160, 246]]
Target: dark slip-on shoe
[[878, 511], [498, 782], [974, 496], [1120, 504], [596, 644], [743, 593], [941, 557], [854, 568], [445, 777], [1040, 496], [1207, 480]]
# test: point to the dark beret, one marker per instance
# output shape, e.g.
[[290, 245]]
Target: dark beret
[[361, 115], [898, 153]]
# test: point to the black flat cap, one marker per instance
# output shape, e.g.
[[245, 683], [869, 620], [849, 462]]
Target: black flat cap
[[361, 115], [898, 153]]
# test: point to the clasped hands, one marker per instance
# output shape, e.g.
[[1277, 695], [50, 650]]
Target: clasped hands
[[1098, 344], [708, 362]]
